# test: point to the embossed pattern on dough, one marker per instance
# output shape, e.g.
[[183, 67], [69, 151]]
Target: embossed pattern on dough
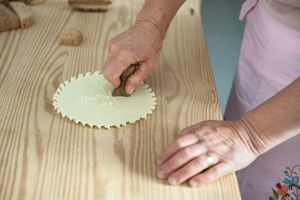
[[87, 99]]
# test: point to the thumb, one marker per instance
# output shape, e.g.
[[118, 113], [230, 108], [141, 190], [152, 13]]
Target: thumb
[[113, 69]]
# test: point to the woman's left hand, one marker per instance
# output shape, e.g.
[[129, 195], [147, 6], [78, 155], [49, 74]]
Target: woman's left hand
[[207, 151]]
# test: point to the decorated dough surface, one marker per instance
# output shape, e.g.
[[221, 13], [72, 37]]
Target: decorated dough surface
[[87, 99]]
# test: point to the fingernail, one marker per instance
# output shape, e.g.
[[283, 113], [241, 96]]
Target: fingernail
[[172, 180], [161, 174], [130, 90], [193, 183]]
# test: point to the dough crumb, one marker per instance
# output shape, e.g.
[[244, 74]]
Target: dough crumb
[[23, 12], [70, 37]]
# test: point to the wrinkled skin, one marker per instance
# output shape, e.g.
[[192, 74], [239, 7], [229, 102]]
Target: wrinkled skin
[[140, 44], [186, 158]]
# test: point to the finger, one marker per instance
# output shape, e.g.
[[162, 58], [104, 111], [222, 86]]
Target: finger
[[194, 167], [200, 128], [111, 56], [212, 174], [108, 60], [113, 69], [180, 158], [189, 129], [177, 145], [138, 77]]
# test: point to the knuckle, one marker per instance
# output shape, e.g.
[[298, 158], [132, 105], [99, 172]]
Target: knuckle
[[187, 152], [179, 144], [113, 46], [195, 180], [198, 179], [127, 53], [133, 82], [185, 173], [181, 176], [185, 130], [199, 160], [199, 131], [141, 75], [144, 68], [203, 178], [203, 130], [210, 128]]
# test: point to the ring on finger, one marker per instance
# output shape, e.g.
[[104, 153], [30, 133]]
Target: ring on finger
[[211, 160]]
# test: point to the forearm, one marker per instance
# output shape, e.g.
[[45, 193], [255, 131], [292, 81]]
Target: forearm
[[156, 15], [276, 120]]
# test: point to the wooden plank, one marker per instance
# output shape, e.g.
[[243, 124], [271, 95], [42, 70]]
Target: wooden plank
[[8, 20], [23, 12], [43, 156], [30, 2], [34, 2], [95, 2], [101, 5]]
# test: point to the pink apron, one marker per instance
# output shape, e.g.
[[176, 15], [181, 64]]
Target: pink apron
[[269, 61]]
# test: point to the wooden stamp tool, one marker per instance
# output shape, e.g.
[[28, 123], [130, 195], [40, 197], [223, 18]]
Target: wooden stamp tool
[[121, 90]]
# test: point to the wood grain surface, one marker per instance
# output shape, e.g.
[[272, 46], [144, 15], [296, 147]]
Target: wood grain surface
[[43, 156]]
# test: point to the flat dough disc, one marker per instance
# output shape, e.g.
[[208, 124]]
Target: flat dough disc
[[87, 99]]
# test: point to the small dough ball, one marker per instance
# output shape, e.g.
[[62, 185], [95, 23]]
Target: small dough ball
[[70, 37]]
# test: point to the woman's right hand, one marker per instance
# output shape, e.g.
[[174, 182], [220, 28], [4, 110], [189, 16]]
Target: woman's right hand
[[140, 44]]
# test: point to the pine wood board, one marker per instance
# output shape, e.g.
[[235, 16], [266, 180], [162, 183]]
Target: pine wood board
[[46, 157]]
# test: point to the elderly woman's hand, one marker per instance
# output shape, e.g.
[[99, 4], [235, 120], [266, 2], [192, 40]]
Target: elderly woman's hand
[[140, 44], [207, 151]]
